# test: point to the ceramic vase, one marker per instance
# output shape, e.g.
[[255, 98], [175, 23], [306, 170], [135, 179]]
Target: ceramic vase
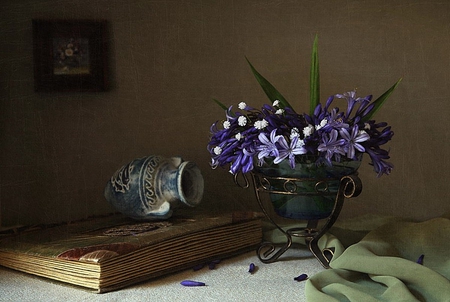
[[150, 188]]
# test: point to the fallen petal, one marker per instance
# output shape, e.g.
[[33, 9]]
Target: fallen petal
[[251, 268], [192, 283], [198, 267], [302, 277], [212, 264], [420, 260]]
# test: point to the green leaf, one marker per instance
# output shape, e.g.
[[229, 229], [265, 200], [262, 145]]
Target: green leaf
[[380, 101], [314, 78], [271, 92], [220, 104]]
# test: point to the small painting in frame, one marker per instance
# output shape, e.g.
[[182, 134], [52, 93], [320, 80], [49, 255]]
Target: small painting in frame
[[70, 55]]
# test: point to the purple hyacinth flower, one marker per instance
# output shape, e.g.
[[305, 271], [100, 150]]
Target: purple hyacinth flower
[[243, 162], [331, 145], [352, 100], [378, 157], [268, 145], [289, 151], [353, 140]]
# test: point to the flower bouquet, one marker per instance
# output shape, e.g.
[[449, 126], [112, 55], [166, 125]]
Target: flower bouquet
[[276, 134], [306, 162]]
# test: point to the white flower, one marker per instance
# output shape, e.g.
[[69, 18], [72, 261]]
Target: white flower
[[322, 124], [279, 111], [362, 132], [238, 136], [242, 105], [261, 124], [226, 125], [294, 133], [242, 121], [300, 143], [276, 103], [217, 150], [308, 130]]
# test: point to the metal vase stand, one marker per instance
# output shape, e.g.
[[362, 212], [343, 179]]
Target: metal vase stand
[[349, 186]]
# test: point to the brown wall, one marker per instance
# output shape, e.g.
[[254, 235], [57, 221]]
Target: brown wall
[[170, 58]]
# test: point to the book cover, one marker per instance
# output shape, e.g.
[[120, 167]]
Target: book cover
[[109, 253]]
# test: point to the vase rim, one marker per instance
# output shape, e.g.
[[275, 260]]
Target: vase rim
[[190, 184]]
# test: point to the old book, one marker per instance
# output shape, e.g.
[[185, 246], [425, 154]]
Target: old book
[[112, 252]]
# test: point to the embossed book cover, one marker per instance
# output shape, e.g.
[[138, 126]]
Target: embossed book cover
[[109, 253]]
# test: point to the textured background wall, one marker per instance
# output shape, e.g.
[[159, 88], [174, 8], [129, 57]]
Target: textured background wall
[[170, 58]]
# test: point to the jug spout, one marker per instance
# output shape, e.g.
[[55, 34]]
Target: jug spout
[[190, 184]]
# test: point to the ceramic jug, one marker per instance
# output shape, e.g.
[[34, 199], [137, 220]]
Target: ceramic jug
[[150, 188]]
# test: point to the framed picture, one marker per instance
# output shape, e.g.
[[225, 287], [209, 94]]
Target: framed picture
[[70, 55]]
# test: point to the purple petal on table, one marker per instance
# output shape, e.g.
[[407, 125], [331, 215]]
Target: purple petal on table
[[192, 283], [212, 264], [252, 268], [198, 267], [420, 260], [302, 277]]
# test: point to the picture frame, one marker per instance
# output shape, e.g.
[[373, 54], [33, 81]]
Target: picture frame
[[70, 55]]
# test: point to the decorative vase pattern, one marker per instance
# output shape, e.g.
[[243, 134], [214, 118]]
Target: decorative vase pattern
[[307, 192], [149, 188]]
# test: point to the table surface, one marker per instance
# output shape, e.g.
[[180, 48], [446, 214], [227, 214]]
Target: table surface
[[229, 281]]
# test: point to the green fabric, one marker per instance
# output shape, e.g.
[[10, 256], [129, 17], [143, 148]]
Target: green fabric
[[382, 265]]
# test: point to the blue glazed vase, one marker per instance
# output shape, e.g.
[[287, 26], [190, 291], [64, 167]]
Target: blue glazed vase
[[149, 188], [307, 192]]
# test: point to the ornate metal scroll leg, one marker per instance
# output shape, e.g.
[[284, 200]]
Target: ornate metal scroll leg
[[350, 186], [266, 250]]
